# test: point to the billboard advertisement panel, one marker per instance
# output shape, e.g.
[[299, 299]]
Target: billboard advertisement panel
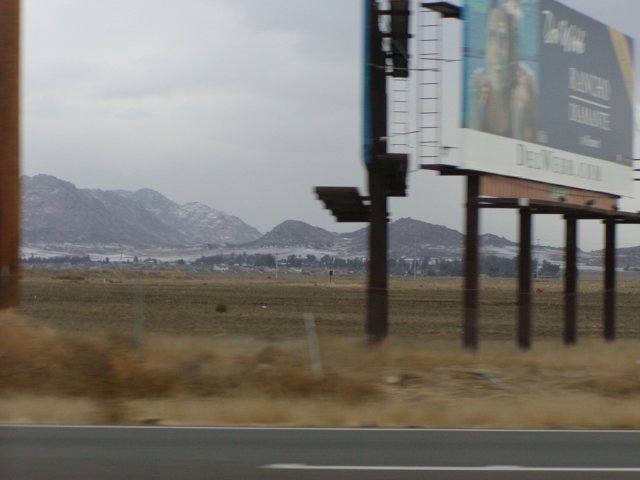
[[548, 95]]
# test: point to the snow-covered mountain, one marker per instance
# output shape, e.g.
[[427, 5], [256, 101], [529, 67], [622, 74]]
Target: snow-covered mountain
[[407, 238], [57, 212], [58, 217], [198, 222]]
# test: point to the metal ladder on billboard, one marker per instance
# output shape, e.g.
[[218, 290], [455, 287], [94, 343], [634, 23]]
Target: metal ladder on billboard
[[429, 64], [399, 98], [399, 115]]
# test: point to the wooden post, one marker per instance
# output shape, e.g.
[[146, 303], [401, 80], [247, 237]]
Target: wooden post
[[377, 301], [570, 280], [610, 281], [471, 265], [9, 152], [524, 280], [376, 120]]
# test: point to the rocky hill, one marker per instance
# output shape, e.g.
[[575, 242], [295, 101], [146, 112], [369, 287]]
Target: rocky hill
[[57, 212], [293, 233], [198, 222], [491, 240], [627, 258], [406, 237], [409, 237]]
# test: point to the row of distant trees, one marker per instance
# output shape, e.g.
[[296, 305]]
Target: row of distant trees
[[62, 260], [490, 265], [292, 261]]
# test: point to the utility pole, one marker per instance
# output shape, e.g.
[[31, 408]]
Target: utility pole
[[9, 152]]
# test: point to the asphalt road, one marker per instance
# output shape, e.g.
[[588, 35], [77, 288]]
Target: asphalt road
[[96, 453]]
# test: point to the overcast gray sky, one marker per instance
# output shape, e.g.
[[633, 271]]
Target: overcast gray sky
[[244, 105]]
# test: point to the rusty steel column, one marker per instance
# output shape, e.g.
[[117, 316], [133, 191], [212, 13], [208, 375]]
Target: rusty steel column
[[570, 279], [524, 280], [471, 264], [9, 152], [610, 280]]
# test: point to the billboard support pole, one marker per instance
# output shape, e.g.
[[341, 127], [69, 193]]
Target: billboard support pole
[[570, 279], [9, 152], [376, 105], [524, 280], [610, 281], [386, 171], [377, 295], [471, 267]]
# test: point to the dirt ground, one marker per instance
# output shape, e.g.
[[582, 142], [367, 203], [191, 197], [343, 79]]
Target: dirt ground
[[272, 308], [172, 348]]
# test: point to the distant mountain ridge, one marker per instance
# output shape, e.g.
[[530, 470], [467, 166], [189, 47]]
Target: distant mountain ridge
[[56, 212], [294, 233], [407, 238], [198, 222]]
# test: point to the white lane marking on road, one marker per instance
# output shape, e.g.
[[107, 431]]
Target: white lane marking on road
[[489, 468]]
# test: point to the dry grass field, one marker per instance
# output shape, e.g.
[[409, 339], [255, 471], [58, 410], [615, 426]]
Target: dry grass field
[[270, 308], [221, 349]]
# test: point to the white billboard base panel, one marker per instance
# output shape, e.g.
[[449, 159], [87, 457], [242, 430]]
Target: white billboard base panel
[[515, 158]]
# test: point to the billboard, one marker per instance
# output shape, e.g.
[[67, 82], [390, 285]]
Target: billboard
[[548, 95]]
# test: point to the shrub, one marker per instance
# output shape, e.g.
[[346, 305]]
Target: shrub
[[221, 308]]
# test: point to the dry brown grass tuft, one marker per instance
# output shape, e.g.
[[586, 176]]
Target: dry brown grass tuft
[[109, 366], [45, 361], [107, 378]]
